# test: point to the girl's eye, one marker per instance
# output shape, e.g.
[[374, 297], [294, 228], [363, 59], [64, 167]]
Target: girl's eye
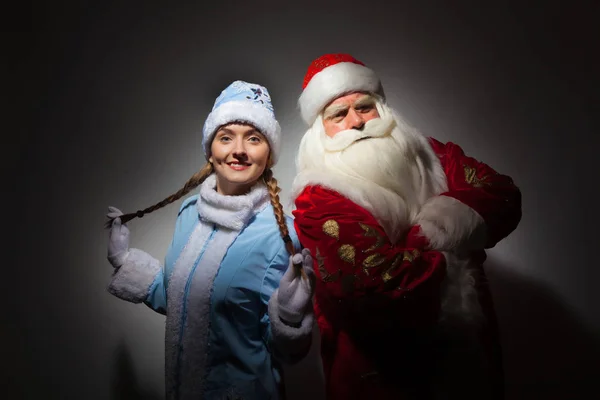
[[255, 139], [225, 139]]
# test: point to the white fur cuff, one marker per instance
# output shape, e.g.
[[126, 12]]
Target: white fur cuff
[[133, 279], [293, 343], [451, 225]]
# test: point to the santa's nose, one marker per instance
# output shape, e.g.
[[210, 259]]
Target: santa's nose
[[355, 119]]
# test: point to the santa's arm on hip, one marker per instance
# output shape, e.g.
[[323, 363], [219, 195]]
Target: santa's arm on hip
[[480, 207]]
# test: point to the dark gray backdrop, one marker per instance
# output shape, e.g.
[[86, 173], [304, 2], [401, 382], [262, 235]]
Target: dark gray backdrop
[[105, 107]]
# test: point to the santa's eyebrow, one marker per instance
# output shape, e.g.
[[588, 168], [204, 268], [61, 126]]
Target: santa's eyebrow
[[333, 110], [366, 100]]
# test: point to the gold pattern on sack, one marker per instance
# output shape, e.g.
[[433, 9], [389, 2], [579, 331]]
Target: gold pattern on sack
[[332, 228], [406, 256], [325, 276], [372, 261], [387, 274], [410, 257], [369, 231], [472, 179], [347, 253]]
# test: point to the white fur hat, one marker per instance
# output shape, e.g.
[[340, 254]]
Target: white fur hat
[[246, 102], [331, 76]]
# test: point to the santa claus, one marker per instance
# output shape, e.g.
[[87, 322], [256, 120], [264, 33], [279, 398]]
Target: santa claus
[[397, 223]]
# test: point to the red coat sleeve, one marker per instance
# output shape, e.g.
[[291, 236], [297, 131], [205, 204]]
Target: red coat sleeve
[[353, 256], [492, 195]]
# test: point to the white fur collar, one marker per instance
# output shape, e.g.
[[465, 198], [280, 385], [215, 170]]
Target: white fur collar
[[232, 212]]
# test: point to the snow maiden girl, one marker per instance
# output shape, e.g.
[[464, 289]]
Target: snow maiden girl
[[237, 299]]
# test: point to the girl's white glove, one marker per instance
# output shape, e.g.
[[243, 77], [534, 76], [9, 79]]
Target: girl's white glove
[[295, 290], [118, 239]]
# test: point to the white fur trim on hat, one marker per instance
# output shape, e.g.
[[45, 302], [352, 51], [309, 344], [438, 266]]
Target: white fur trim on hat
[[332, 82], [246, 111]]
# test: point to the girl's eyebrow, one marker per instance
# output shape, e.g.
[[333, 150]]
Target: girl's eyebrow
[[249, 131]]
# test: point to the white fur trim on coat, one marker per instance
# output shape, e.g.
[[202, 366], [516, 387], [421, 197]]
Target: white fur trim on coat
[[451, 225], [206, 246], [132, 280], [175, 305], [245, 111], [334, 81], [196, 322], [291, 343]]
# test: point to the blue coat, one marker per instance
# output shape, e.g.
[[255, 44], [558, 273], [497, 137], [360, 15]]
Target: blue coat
[[223, 337]]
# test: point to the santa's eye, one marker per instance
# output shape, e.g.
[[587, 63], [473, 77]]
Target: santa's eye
[[365, 108]]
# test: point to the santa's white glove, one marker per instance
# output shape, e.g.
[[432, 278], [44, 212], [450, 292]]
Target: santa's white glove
[[295, 290], [118, 239]]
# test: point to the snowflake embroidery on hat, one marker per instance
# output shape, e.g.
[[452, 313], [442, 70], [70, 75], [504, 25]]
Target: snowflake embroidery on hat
[[260, 96], [257, 94], [252, 92]]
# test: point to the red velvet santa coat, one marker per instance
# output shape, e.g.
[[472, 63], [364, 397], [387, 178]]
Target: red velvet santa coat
[[378, 304]]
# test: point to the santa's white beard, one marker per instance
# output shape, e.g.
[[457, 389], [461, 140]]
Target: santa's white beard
[[388, 172]]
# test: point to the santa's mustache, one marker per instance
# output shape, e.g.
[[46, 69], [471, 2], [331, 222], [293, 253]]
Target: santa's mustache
[[375, 128]]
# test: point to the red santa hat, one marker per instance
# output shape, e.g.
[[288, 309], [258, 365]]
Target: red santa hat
[[330, 76]]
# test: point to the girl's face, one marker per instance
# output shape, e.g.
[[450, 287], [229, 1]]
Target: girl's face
[[240, 154]]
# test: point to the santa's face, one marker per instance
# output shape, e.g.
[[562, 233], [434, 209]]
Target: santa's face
[[383, 151], [351, 111]]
